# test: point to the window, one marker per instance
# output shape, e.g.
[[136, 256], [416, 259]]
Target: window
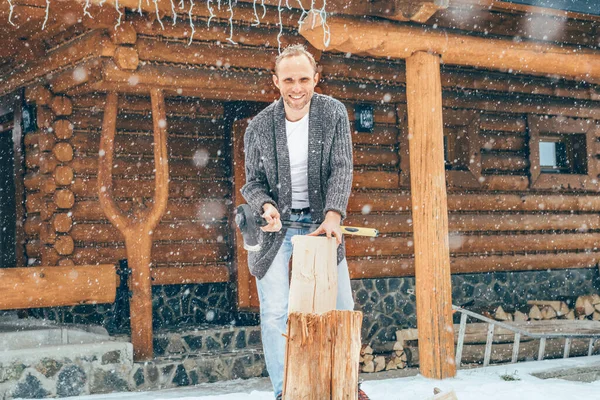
[[561, 152], [462, 149]]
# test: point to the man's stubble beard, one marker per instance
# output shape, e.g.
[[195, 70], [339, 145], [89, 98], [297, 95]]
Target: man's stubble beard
[[293, 106]]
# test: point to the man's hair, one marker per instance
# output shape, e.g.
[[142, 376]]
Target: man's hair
[[293, 51]]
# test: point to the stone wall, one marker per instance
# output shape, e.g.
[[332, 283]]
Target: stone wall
[[389, 304]]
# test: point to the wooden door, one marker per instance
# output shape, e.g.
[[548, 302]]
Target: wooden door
[[247, 294]]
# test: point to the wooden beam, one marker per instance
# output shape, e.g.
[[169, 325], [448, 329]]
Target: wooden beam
[[187, 275], [34, 287], [386, 39], [430, 215], [408, 10]]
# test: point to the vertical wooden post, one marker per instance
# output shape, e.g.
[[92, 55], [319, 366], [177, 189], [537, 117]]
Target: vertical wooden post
[[430, 216], [138, 226]]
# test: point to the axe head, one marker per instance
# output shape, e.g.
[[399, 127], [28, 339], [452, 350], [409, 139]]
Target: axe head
[[247, 221]]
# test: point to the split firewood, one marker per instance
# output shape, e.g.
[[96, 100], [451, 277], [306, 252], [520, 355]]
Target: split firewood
[[596, 316], [519, 316], [379, 363], [406, 334], [368, 367], [368, 357], [560, 307], [501, 315], [584, 306], [366, 349], [596, 302], [570, 315], [535, 313], [548, 312], [386, 347]]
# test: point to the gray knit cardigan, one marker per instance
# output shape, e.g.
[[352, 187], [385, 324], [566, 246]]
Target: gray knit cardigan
[[268, 175]]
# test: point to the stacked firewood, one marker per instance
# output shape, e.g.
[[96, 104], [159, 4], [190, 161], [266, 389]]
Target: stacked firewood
[[585, 308], [388, 355]]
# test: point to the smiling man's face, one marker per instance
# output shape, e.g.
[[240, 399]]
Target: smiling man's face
[[296, 80]]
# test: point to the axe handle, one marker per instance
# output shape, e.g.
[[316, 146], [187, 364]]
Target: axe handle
[[346, 230], [358, 231]]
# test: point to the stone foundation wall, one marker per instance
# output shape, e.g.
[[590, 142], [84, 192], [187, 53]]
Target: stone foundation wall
[[389, 304]]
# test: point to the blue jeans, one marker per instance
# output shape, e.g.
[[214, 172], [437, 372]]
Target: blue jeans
[[273, 293]]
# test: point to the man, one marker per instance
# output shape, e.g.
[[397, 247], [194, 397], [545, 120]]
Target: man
[[298, 168]]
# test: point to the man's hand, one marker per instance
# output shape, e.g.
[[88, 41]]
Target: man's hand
[[271, 215], [331, 226]]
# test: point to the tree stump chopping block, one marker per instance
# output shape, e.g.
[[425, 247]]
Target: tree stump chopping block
[[323, 344]]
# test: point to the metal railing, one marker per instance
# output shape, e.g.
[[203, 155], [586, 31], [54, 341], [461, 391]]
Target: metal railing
[[492, 324]]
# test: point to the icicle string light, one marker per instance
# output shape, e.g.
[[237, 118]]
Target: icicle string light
[[191, 22], [210, 10], [85, 9], [10, 13], [140, 7], [262, 2], [158, 15], [230, 38], [47, 13], [174, 12], [120, 14], [326, 31], [280, 28], [257, 23]]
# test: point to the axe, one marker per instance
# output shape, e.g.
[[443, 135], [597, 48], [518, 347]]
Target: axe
[[250, 223]]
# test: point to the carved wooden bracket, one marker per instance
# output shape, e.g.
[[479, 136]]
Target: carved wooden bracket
[[138, 225]]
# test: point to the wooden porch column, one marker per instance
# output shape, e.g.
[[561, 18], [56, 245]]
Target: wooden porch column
[[430, 216]]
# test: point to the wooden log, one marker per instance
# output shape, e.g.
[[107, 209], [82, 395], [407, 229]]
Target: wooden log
[[57, 286], [44, 117], [62, 222], [32, 225], [432, 264], [44, 161], [64, 198], [126, 58], [136, 144], [502, 142], [503, 162], [189, 275], [535, 313], [313, 288], [40, 140], [454, 48], [165, 231], [36, 181], [502, 123], [375, 156], [88, 187], [38, 94], [70, 78], [123, 34], [33, 250], [63, 129], [199, 167], [63, 175], [322, 355], [63, 152], [136, 229], [64, 245], [203, 210], [375, 179], [61, 105]]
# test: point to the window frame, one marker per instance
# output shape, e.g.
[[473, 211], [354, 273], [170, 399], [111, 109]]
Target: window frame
[[469, 178], [540, 127]]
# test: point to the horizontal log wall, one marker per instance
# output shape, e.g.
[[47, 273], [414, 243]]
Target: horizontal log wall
[[193, 236]]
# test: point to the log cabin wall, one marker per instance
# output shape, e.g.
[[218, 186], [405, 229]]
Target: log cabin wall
[[511, 238], [194, 232]]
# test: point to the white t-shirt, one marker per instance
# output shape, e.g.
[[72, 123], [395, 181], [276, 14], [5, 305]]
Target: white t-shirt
[[297, 138]]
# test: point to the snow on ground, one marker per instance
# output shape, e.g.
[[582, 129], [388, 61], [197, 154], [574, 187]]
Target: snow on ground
[[470, 384]]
